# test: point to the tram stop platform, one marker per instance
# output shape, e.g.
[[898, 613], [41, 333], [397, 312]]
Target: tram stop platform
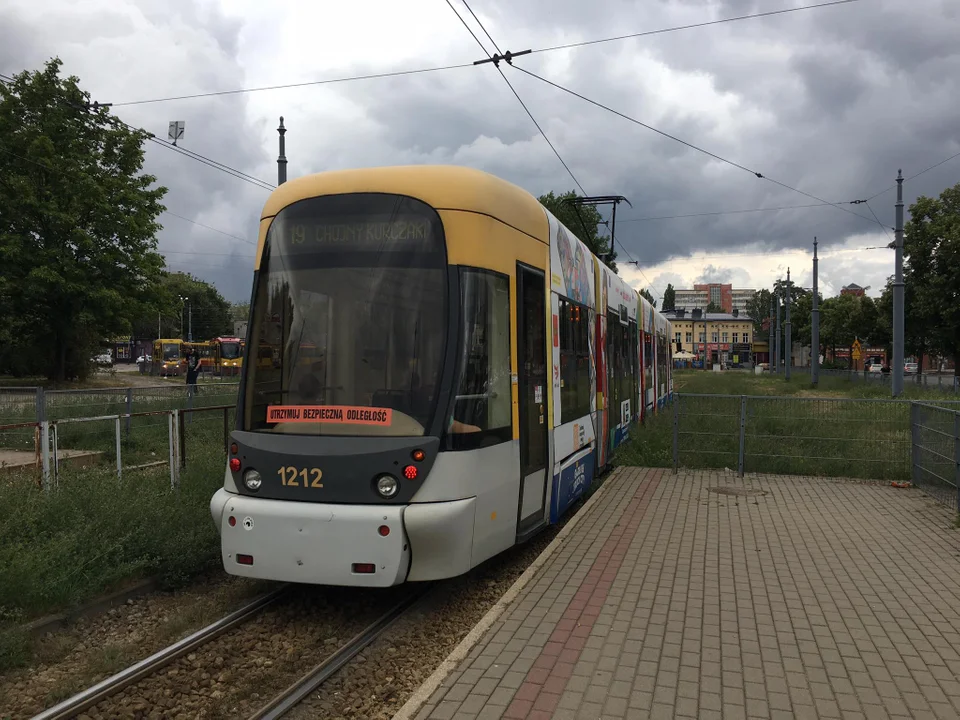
[[705, 595]]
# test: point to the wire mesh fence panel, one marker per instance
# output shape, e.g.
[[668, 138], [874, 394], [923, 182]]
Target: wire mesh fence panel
[[20, 453], [835, 437], [18, 405], [205, 433], [707, 430], [116, 444], [936, 451], [113, 401]]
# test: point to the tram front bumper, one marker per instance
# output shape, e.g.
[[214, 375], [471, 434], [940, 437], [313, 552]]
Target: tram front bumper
[[311, 543]]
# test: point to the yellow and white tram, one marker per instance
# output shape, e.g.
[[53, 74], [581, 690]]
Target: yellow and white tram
[[450, 368]]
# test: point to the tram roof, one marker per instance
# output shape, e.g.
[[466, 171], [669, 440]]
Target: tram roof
[[443, 187]]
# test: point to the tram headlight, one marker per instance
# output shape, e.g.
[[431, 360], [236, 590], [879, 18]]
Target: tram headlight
[[387, 486], [252, 479]]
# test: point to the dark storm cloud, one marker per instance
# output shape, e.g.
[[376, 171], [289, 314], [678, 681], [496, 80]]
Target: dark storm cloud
[[145, 51]]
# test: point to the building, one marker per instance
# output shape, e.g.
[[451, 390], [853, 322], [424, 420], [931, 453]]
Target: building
[[724, 338], [853, 289], [722, 295]]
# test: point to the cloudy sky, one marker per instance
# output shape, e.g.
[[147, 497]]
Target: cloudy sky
[[830, 101]]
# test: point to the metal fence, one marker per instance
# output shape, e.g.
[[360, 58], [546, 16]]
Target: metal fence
[[35, 404], [935, 452], [837, 437], [119, 444], [944, 382]]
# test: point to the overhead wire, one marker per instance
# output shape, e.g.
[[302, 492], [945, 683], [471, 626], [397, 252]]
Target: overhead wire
[[688, 144], [691, 26], [458, 66], [530, 114], [915, 175]]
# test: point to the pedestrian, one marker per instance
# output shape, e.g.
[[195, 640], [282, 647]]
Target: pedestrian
[[193, 371]]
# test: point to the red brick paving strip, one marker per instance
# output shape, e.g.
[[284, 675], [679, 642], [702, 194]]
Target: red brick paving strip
[[539, 694]]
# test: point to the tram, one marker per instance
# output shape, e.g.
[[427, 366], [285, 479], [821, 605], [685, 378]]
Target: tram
[[447, 370], [228, 355], [168, 354]]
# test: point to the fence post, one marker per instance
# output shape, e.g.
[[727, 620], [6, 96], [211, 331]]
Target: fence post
[[676, 434], [743, 432], [173, 425], [119, 461], [129, 410], [40, 400], [956, 455], [45, 454], [182, 438], [914, 442]]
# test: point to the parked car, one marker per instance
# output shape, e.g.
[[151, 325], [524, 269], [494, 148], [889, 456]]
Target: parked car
[[104, 359], [875, 368], [911, 368]]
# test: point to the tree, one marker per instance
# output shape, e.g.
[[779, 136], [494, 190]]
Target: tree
[[240, 312], [78, 224], [712, 307], [584, 225], [758, 308], [932, 282], [211, 313], [649, 296], [669, 298]]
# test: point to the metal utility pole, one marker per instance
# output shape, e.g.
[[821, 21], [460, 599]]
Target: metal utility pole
[[779, 342], [282, 158], [897, 368], [770, 340], [190, 321], [786, 331], [815, 324]]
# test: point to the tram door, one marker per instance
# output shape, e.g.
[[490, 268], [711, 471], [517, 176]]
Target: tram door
[[532, 395]]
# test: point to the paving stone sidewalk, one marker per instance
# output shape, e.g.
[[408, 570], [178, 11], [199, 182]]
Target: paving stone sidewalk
[[704, 595]]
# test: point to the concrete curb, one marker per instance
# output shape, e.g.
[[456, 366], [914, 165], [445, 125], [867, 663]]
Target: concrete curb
[[50, 623], [429, 686]]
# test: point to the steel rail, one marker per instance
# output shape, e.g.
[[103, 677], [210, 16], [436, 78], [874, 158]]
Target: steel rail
[[293, 695], [112, 685]]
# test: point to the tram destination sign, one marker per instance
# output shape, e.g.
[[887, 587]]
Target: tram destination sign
[[339, 414], [366, 234]]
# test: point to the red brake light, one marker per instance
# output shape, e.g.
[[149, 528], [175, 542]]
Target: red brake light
[[383, 530], [245, 559], [410, 472], [232, 521], [364, 568], [234, 449], [418, 455], [235, 464]]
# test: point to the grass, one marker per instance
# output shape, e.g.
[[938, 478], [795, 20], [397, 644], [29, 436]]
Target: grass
[[836, 430], [95, 533]]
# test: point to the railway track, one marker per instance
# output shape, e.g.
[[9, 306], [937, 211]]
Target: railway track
[[308, 683], [278, 706], [114, 684]]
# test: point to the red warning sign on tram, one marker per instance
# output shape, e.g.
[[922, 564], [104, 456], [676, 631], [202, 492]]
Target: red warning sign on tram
[[342, 414]]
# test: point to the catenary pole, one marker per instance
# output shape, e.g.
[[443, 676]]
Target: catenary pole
[[786, 332], [770, 360], [779, 335], [897, 368], [815, 325], [282, 158]]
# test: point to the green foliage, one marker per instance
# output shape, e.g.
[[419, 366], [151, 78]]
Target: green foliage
[[649, 296], [239, 312], [669, 298], [78, 221], [584, 225], [758, 308], [931, 276], [712, 307]]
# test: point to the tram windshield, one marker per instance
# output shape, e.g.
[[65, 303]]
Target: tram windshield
[[171, 351], [351, 299], [230, 350]]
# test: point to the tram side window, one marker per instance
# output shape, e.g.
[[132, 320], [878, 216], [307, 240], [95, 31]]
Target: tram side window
[[574, 361], [483, 409]]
